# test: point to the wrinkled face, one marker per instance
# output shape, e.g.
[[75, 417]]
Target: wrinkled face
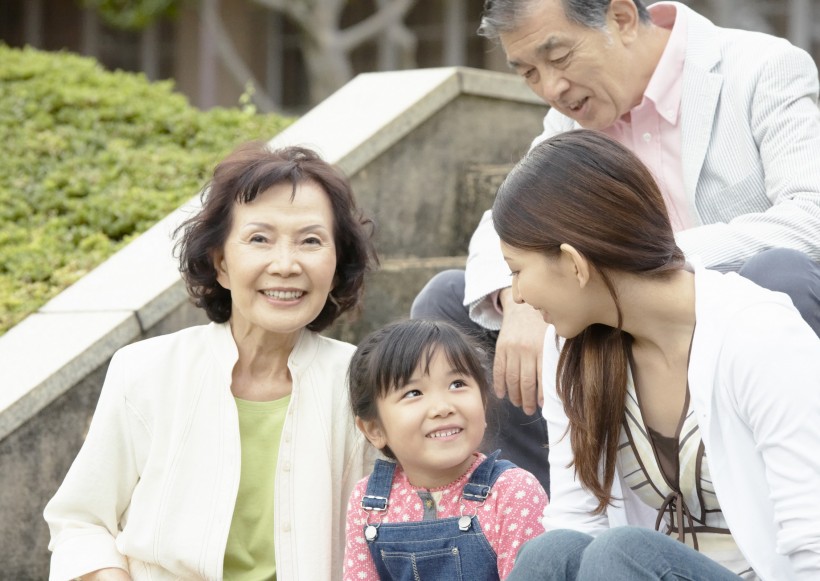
[[582, 72], [549, 286], [433, 424], [279, 259]]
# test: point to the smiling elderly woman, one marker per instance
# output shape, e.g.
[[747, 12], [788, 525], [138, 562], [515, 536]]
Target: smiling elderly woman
[[228, 450]]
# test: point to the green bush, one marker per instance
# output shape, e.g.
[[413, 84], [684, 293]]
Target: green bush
[[90, 160]]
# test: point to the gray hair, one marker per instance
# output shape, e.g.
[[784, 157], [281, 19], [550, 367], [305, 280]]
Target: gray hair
[[505, 15]]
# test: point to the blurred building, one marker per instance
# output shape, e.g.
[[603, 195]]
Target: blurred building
[[184, 50]]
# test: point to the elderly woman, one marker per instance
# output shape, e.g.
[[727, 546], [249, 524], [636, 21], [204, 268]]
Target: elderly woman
[[228, 450]]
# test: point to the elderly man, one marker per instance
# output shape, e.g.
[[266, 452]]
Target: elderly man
[[726, 120]]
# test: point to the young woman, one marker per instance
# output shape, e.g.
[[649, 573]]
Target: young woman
[[226, 450], [676, 398], [441, 510]]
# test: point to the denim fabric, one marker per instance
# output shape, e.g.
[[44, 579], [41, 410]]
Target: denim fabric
[[436, 550], [522, 438], [619, 554]]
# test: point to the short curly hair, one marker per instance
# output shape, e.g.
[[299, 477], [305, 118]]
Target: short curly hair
[[250, 170]]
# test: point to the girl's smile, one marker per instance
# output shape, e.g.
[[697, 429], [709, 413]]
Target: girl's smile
[[433, 424], [445, 433]]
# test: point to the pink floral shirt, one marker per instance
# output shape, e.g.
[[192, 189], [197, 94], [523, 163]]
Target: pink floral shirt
[[510, 516]]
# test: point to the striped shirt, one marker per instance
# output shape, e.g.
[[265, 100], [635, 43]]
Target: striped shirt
[[685, 499]]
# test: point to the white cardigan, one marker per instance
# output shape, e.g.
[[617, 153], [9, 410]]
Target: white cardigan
[[153, 487], [754, 380], [750, 132]]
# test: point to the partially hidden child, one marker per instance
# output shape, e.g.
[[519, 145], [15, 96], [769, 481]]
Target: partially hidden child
[[438, 508]]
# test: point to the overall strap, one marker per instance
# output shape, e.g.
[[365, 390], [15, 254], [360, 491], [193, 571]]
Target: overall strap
[[378, 486], [482, 479]]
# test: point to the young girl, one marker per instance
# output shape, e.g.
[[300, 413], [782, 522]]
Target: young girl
[[441, 510], [680, 399]]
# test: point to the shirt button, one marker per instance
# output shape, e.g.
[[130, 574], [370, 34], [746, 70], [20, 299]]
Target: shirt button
[[287, 436], [647, 137], [286, 466], [286, 526]]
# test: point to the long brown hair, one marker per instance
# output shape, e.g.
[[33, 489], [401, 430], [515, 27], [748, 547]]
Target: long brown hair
[[585, 189]]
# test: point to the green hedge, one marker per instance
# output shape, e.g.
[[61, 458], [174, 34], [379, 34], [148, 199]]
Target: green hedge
[[90, 160]]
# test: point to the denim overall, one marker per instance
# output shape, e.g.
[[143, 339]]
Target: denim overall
[[448, 549]]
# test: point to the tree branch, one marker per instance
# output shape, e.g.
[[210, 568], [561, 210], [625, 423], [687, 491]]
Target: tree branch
[[300, 12], [374, 24], [233, 61]]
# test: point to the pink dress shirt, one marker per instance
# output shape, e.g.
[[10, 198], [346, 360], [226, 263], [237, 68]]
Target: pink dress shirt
[[652, 129]]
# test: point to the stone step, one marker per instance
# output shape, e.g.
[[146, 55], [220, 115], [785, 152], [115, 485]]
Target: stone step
[[389, 293]]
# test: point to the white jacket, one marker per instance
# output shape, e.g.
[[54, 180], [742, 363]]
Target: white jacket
[[750, 133], [153, 487], [754, 380]]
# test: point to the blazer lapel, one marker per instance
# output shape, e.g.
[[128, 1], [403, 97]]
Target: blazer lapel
[[699, 98]]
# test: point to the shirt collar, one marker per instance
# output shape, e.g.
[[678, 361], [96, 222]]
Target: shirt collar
[[227, 353], [664, 88]]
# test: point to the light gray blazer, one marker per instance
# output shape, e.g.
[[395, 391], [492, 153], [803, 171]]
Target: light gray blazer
[[751, 155]]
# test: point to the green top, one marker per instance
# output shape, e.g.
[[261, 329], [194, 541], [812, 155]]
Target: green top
[[250, 554]]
